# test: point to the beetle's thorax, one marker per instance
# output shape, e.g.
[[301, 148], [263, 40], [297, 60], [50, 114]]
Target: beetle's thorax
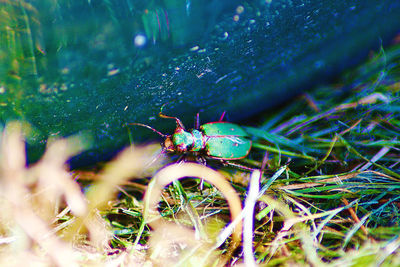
[[184, 141]]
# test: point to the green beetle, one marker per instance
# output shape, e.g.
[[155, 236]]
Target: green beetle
[[218, 140]]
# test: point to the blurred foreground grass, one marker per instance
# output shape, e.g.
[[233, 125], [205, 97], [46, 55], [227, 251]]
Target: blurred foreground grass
[[329, 194]]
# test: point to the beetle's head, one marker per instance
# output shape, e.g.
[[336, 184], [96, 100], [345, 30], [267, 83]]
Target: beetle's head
[[168, 145]]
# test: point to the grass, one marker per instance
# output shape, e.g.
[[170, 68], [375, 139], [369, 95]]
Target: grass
[[329, 193]]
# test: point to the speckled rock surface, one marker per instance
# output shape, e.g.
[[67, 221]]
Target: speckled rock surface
[[96, 67]]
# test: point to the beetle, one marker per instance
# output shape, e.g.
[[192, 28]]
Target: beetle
[[218, 140]]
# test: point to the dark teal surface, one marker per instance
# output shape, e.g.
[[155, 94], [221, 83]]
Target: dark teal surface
[[79, 69]]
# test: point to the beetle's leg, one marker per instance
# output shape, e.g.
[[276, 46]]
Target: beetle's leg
[[182, 158], [239, 166], [222, 116], [201, 160], [197, 121]]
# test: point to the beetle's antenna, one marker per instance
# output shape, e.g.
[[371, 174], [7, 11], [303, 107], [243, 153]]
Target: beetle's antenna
[[148, 127], [162, 115]]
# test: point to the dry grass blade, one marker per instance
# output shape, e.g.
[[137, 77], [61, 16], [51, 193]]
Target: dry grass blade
[[22, 216], [182, 170]]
